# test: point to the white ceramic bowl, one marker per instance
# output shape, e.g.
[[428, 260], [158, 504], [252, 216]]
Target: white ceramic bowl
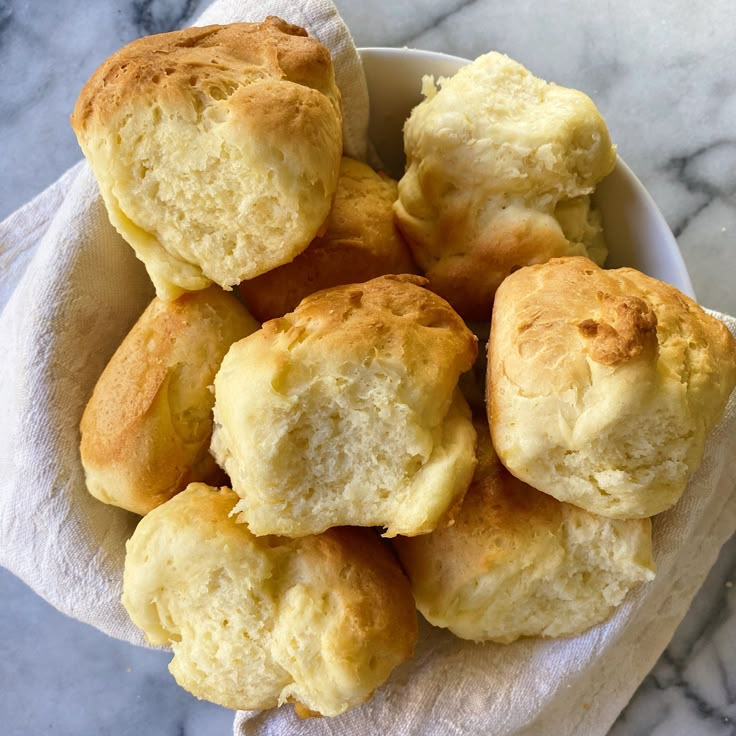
[[636, 233]]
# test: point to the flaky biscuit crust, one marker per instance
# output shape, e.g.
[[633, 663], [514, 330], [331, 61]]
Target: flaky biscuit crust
[[216, 149], [257, 622], [516, 562], [145, 431], [603, 384]]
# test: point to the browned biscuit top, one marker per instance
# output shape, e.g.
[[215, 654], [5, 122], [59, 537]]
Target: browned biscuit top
[[212, 59]]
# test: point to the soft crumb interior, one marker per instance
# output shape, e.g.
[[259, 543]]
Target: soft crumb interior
[[227, 194], [347, 449], [222, 637], [256, 622], [204, 180], [540, 140], [349, 429], [582, 224], [634, 472]]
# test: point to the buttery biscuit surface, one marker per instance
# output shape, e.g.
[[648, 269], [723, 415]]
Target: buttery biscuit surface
[[603, 384], [500, 168], [216, 149], [346, 412], [320, 621], [516, 562], [146, 429]]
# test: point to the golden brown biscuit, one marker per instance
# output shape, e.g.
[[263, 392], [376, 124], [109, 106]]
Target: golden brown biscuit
[[360, 242], [518, 563], [346, 412], [146, 430], [216, 149], [257, 622], [500, 166], [602, 385]]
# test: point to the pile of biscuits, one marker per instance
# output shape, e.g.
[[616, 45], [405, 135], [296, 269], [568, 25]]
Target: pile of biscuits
[[268, 435]]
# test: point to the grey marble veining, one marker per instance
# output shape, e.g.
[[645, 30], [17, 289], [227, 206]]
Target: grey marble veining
[[47, 51], [692, 689], [663, 74]]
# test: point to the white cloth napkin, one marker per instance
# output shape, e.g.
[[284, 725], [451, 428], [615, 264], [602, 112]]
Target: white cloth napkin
[[70, 289]]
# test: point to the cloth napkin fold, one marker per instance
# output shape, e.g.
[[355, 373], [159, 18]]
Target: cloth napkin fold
[[70, 289]]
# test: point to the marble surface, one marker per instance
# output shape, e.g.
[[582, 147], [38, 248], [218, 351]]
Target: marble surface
[[662, 73]]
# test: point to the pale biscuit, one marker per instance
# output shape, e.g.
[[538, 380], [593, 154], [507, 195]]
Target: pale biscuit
[[360, 242], [602, 385], [346, 412], [500, 166], [146, 429], [518, 563], [216, 149], [257, 622]]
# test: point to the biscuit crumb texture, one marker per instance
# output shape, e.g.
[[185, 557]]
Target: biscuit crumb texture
[[347, 412], [500, 169], [258, 622], [603, 385], [216, 149], [518, 563]]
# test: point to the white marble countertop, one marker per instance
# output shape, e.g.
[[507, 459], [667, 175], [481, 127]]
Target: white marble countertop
[[664, 76]]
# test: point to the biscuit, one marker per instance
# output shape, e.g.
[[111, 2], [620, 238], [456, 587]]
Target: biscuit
[[518, 563], [216, 149], [360, 242], [257, 622], [146, 429], [500, 166], [602, 385], [347, 412]]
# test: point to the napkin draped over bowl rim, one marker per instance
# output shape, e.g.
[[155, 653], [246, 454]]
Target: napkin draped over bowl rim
[[70, 289]]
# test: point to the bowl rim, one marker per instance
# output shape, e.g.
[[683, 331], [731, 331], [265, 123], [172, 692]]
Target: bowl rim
[[677, 262]]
